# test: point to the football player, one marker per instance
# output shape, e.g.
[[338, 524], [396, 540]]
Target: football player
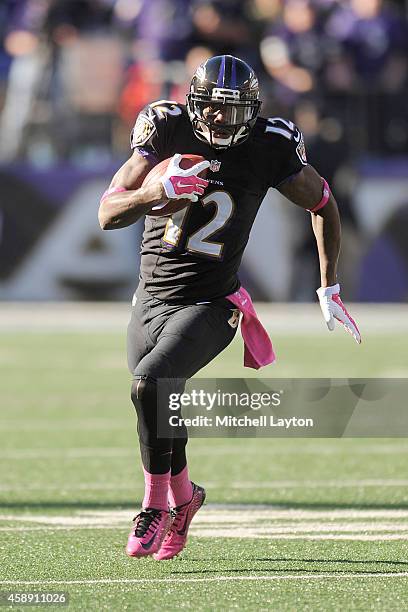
[[185, 308]]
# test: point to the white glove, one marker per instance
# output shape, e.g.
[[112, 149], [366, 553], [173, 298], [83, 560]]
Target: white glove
[[182, 184], [333, 308]]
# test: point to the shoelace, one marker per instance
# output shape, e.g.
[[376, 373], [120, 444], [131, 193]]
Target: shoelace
[[145, 520], [176, 516]]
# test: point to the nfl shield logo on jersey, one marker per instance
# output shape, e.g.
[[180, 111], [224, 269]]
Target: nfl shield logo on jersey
[[215, 165]]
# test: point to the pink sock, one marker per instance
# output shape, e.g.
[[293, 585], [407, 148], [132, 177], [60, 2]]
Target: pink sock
[[156, 490], [181, 489]]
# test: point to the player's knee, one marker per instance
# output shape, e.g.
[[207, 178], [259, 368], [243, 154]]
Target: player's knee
[[143, 388], [144, 398], [143, 394]]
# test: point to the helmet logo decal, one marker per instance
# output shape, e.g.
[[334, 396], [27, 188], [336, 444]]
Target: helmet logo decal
[[201, 72], [215, 165], [142, 131]]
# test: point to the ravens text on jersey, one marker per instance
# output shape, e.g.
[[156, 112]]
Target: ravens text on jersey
[[195, 254]]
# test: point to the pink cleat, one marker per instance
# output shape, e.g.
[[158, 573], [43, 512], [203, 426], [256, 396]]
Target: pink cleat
[[148, 532], [176, 537]]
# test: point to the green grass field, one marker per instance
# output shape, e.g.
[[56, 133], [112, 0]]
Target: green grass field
[[290, 524]]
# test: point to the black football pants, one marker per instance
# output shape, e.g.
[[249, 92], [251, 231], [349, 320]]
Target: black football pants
[[170, 341]]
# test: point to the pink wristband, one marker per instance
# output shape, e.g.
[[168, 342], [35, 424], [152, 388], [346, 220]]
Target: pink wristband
[[112, 190], [325, 197]]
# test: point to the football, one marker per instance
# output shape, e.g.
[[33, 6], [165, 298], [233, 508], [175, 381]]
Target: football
[[187, 160]]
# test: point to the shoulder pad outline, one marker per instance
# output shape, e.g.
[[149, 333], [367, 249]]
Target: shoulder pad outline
[[150, 118], [290, 131], [161, 109]]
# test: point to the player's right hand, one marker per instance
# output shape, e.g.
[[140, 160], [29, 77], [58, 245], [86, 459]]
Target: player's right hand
[[182, 184]]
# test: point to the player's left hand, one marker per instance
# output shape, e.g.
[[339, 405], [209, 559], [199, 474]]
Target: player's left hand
[[333, 308]]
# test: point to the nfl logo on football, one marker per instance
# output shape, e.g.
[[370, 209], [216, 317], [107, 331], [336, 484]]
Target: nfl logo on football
[[215, 165]]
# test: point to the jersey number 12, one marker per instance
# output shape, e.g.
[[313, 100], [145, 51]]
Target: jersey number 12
[[199, 242]]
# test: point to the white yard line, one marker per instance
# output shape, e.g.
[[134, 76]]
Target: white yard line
[[67, 453], [85, 486], [246, 533], [277, 484], [172, 580], [241, 533], [29, 528], [62, 424], [303, 527], [280, 318], [207, 524], [217, 513], [114, 451], [271, 511], [230, 521]]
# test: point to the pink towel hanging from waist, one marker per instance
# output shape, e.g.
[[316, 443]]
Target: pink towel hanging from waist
[[258, 351]]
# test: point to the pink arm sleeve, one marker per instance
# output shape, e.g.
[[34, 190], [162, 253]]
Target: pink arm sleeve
[[112, 190]]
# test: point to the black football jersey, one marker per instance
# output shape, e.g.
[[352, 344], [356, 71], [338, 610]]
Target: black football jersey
[[194, 255]]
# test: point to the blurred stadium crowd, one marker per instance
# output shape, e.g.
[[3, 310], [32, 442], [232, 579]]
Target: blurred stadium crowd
[[75, 73]]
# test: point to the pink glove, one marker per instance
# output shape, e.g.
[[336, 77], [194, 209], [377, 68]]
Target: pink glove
[[182, 184], [333, 308]]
